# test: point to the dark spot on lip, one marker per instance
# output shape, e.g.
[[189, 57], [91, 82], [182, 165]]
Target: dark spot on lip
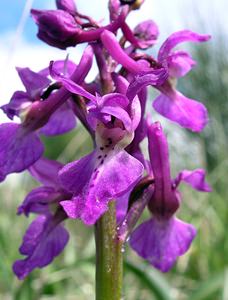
[[101, 148], [102, 162], [112, 119], [105, 155], [109, 141], [100, 156], [106, 146]]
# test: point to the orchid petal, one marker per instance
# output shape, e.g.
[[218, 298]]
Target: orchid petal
[[60, 122], [42, 242], [180, 63], [46, 171], [33, 82], [179, 37], [113, 47], [195, 178], [162, 242], [164, 202], [19, 149], [37, 201], [186, 112], [156, 77], [115, 174], [19, 101]]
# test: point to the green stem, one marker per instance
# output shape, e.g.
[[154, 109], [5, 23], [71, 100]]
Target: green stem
[[109, 262]]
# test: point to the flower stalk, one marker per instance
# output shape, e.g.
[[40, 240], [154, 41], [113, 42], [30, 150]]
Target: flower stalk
[[109, 260]]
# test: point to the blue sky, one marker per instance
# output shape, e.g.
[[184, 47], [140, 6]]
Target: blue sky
[[11, 12]]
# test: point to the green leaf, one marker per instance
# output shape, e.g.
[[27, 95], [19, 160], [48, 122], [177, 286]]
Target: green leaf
[[151, 279], [208, 287]]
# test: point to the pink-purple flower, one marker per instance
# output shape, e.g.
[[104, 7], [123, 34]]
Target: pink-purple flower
[[112, 108], [46, 237], [164, 237]]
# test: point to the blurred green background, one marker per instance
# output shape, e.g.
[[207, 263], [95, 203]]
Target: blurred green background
[[202, 274]]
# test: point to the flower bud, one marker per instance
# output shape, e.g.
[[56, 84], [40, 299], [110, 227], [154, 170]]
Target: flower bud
[[56, 27], [147, 32]]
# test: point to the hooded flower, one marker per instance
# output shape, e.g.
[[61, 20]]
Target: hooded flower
[[170, 103], [21, 146], [164, 237], [109, 171], [46, 237], [37, 85], [143, 36]]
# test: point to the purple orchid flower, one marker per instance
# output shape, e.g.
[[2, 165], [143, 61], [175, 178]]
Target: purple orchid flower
[[109, 171], [171, 103], [21, 146], [161, 239], [35, 84], [143, 36], [43, 241], [122, 86], [46, 237], [93, 179]]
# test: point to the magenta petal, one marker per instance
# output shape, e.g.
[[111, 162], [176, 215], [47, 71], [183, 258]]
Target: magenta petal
[[140, 39], [180, 63], [161, 242], [164, 202], [144, 35], [122, 206], [186, 112], [179, 37], [46, 171], [113, 47], [37, 200], [75, 175], [66, 67], [19, 149], [73, 208], [95, 187], [60, 122], [114, 9], [155, 78], [120, 114], [195, 178], [42, 242], [33, 82], [114, 99], [74, 88], [18, 101], [147, 32], [117, 175], [120, 82]]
